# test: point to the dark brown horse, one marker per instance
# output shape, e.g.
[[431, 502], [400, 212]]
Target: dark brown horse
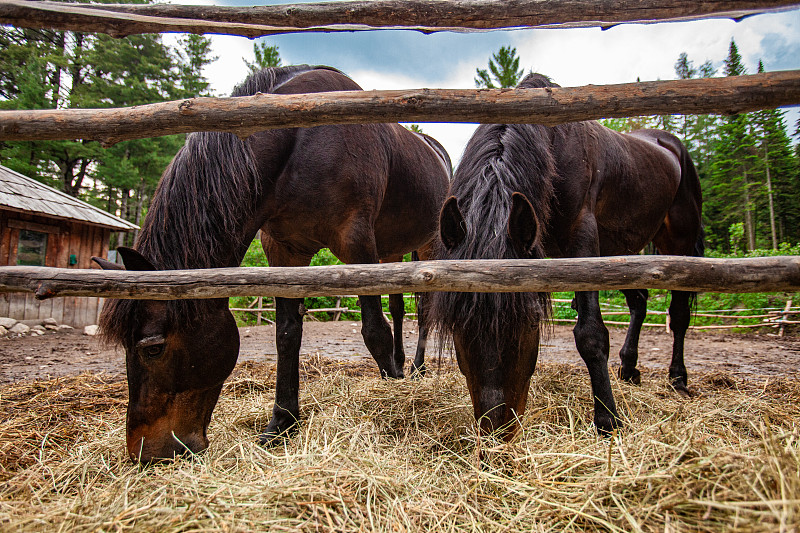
[[574, 190], [367, 192]]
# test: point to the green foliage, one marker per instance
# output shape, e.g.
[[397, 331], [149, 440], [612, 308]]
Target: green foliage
[[503, 70], [266, 56], [48, 69]]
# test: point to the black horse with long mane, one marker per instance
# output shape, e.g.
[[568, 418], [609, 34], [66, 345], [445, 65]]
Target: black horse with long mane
[[573, 190], [368, 192]]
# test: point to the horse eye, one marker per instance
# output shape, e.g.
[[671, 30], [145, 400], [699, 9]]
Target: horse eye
[[153, 351]]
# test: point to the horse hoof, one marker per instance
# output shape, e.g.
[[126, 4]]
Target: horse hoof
[[387, 375], [418, 372], [634, 376], [679, 386], [606, 424], [275, 436]]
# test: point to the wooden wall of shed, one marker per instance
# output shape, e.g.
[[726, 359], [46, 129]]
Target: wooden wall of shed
[[64, 238]]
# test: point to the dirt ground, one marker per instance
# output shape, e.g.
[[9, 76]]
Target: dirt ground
[[743, 355]]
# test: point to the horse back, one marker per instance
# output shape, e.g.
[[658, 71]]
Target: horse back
[[622, 184], [317, 80]]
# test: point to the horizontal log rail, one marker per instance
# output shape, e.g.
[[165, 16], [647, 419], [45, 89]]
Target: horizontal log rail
[[764, 274], [246, 115], [428, 16]]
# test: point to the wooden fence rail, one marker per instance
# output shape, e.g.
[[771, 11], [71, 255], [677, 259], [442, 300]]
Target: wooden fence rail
[[764, 274], [248, 114], [422, 15]]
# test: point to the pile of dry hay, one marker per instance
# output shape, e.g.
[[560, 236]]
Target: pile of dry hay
[[396, 456]]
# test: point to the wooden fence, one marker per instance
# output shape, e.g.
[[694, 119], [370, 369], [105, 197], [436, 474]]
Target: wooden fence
[[245, 115]]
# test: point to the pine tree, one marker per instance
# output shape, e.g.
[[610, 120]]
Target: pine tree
[[266, 56], [779, 170], [503, 70], [53, 69], [684, 127], [732, 180], [192, 58]]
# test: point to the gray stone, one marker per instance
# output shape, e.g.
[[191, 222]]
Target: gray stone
[[40, 329], [51, 327], [49, 322], [91, 330], [6, 322], [20, 329], [3, 331], [64, 327]]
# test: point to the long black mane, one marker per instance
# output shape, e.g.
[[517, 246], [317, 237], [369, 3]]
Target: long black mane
[[189, 224], [499, 160]]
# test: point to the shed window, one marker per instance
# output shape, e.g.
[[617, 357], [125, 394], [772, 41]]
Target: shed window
[[32, 248]]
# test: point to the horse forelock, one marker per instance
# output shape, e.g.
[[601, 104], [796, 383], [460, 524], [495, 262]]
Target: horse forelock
[[498, 161]]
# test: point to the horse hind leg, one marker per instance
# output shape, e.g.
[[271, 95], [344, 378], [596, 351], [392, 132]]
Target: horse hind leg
[[629, 354], [358, 247], [679, 317], [418, 366], [397, 307]]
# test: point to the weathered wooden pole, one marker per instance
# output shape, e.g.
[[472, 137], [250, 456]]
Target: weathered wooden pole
[[764, 274], [427, 16], [248, 114]]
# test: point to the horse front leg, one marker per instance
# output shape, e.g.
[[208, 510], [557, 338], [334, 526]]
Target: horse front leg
[[679, 317], [591, 339], [288, 335], [629, 354]]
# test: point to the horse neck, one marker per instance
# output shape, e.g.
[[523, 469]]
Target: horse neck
[[202, 212]]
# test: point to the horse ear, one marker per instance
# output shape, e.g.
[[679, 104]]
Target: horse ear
[[452, 227], [523, 228], [106, 264], [133, 260]]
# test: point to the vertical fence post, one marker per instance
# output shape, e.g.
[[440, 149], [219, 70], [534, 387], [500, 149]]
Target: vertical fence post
[[783, 317], [260, 307]]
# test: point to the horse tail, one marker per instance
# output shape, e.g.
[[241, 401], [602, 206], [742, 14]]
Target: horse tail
[[691, 180]]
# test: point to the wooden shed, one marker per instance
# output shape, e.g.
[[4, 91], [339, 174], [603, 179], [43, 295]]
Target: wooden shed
[[42, 226]]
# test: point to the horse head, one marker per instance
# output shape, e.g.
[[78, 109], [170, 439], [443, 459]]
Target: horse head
[[495, 336], [175, 370]]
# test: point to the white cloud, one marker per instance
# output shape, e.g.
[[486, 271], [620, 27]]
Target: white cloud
[[571, 57]]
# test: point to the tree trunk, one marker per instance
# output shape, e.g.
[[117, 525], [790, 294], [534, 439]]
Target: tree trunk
[[123, 214], [748, 216], [771, 204], [139, 205], [61, 43]]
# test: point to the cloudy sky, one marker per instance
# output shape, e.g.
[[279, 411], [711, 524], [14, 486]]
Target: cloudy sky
[[407, 59]]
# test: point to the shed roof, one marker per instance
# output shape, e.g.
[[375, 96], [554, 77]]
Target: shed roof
[[20, 193]]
